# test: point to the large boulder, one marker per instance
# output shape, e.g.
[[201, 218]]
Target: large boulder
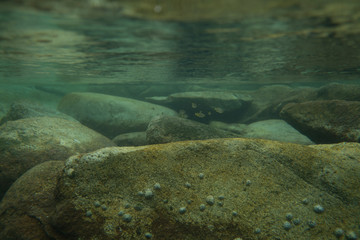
[[327, 121], [247, 187], [27, 142], [272, 129], [336, 91], [166, 129], [27, 206], [269, 100], [211, 189], [111, 115], [27, 109]]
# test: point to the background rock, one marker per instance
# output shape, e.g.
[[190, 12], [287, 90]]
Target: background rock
[[111, 115], [131, 139], [28, 109], [337, 91], [27, 142], [328, 121], [275, 129], [205, 106], [172, 129]]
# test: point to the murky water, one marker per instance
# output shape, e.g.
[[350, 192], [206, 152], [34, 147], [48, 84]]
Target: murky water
[[44, 48]]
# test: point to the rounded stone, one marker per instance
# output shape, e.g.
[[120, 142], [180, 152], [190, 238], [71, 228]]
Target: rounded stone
[[287, 225], [289, 216], [318, 208], [148, 235], [157, 186], [127, 217], [88, 213], [182, 210], [210, 200], [338, 232], [148, 194]]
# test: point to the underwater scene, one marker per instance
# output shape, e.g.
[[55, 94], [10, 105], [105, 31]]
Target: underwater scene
[[179, 119]]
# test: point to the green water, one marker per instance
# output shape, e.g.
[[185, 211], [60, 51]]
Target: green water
[[42, 48]]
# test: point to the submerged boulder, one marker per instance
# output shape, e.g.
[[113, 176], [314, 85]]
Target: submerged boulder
[[272, 129], [327, 121], [204, 106], [210, 189], [166, 129], [27, 142], [29, 202], [111, 115], [27, 109]]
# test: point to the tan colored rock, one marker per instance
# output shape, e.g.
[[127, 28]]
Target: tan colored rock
[[27, 142], [248, 187], [25, 211], [260, 180]]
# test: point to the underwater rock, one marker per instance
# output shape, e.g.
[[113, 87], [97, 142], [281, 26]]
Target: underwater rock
[[27, 109], [111, 115], [166, 129], [273, 129], [131, 139], [27, 142], [32, 200], [269, 100], [282, 175], [336, 91], [327, 121], [205, 106]]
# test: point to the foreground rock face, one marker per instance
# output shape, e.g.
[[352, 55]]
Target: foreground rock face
[[328, 121], [213, 189], [31, 219], [27, 142], [111, 115]]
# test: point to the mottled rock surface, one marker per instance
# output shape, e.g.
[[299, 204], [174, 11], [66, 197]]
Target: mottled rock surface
[[248, 188], [327, 121], [172, 129], [27, 142], [28, 204], [111, 115]]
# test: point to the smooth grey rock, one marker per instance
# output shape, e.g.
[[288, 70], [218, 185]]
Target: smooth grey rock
[[275, 129], [111, 115], [28, 109], [171, 129], [327, 121], [27, 142], [131, 139]]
